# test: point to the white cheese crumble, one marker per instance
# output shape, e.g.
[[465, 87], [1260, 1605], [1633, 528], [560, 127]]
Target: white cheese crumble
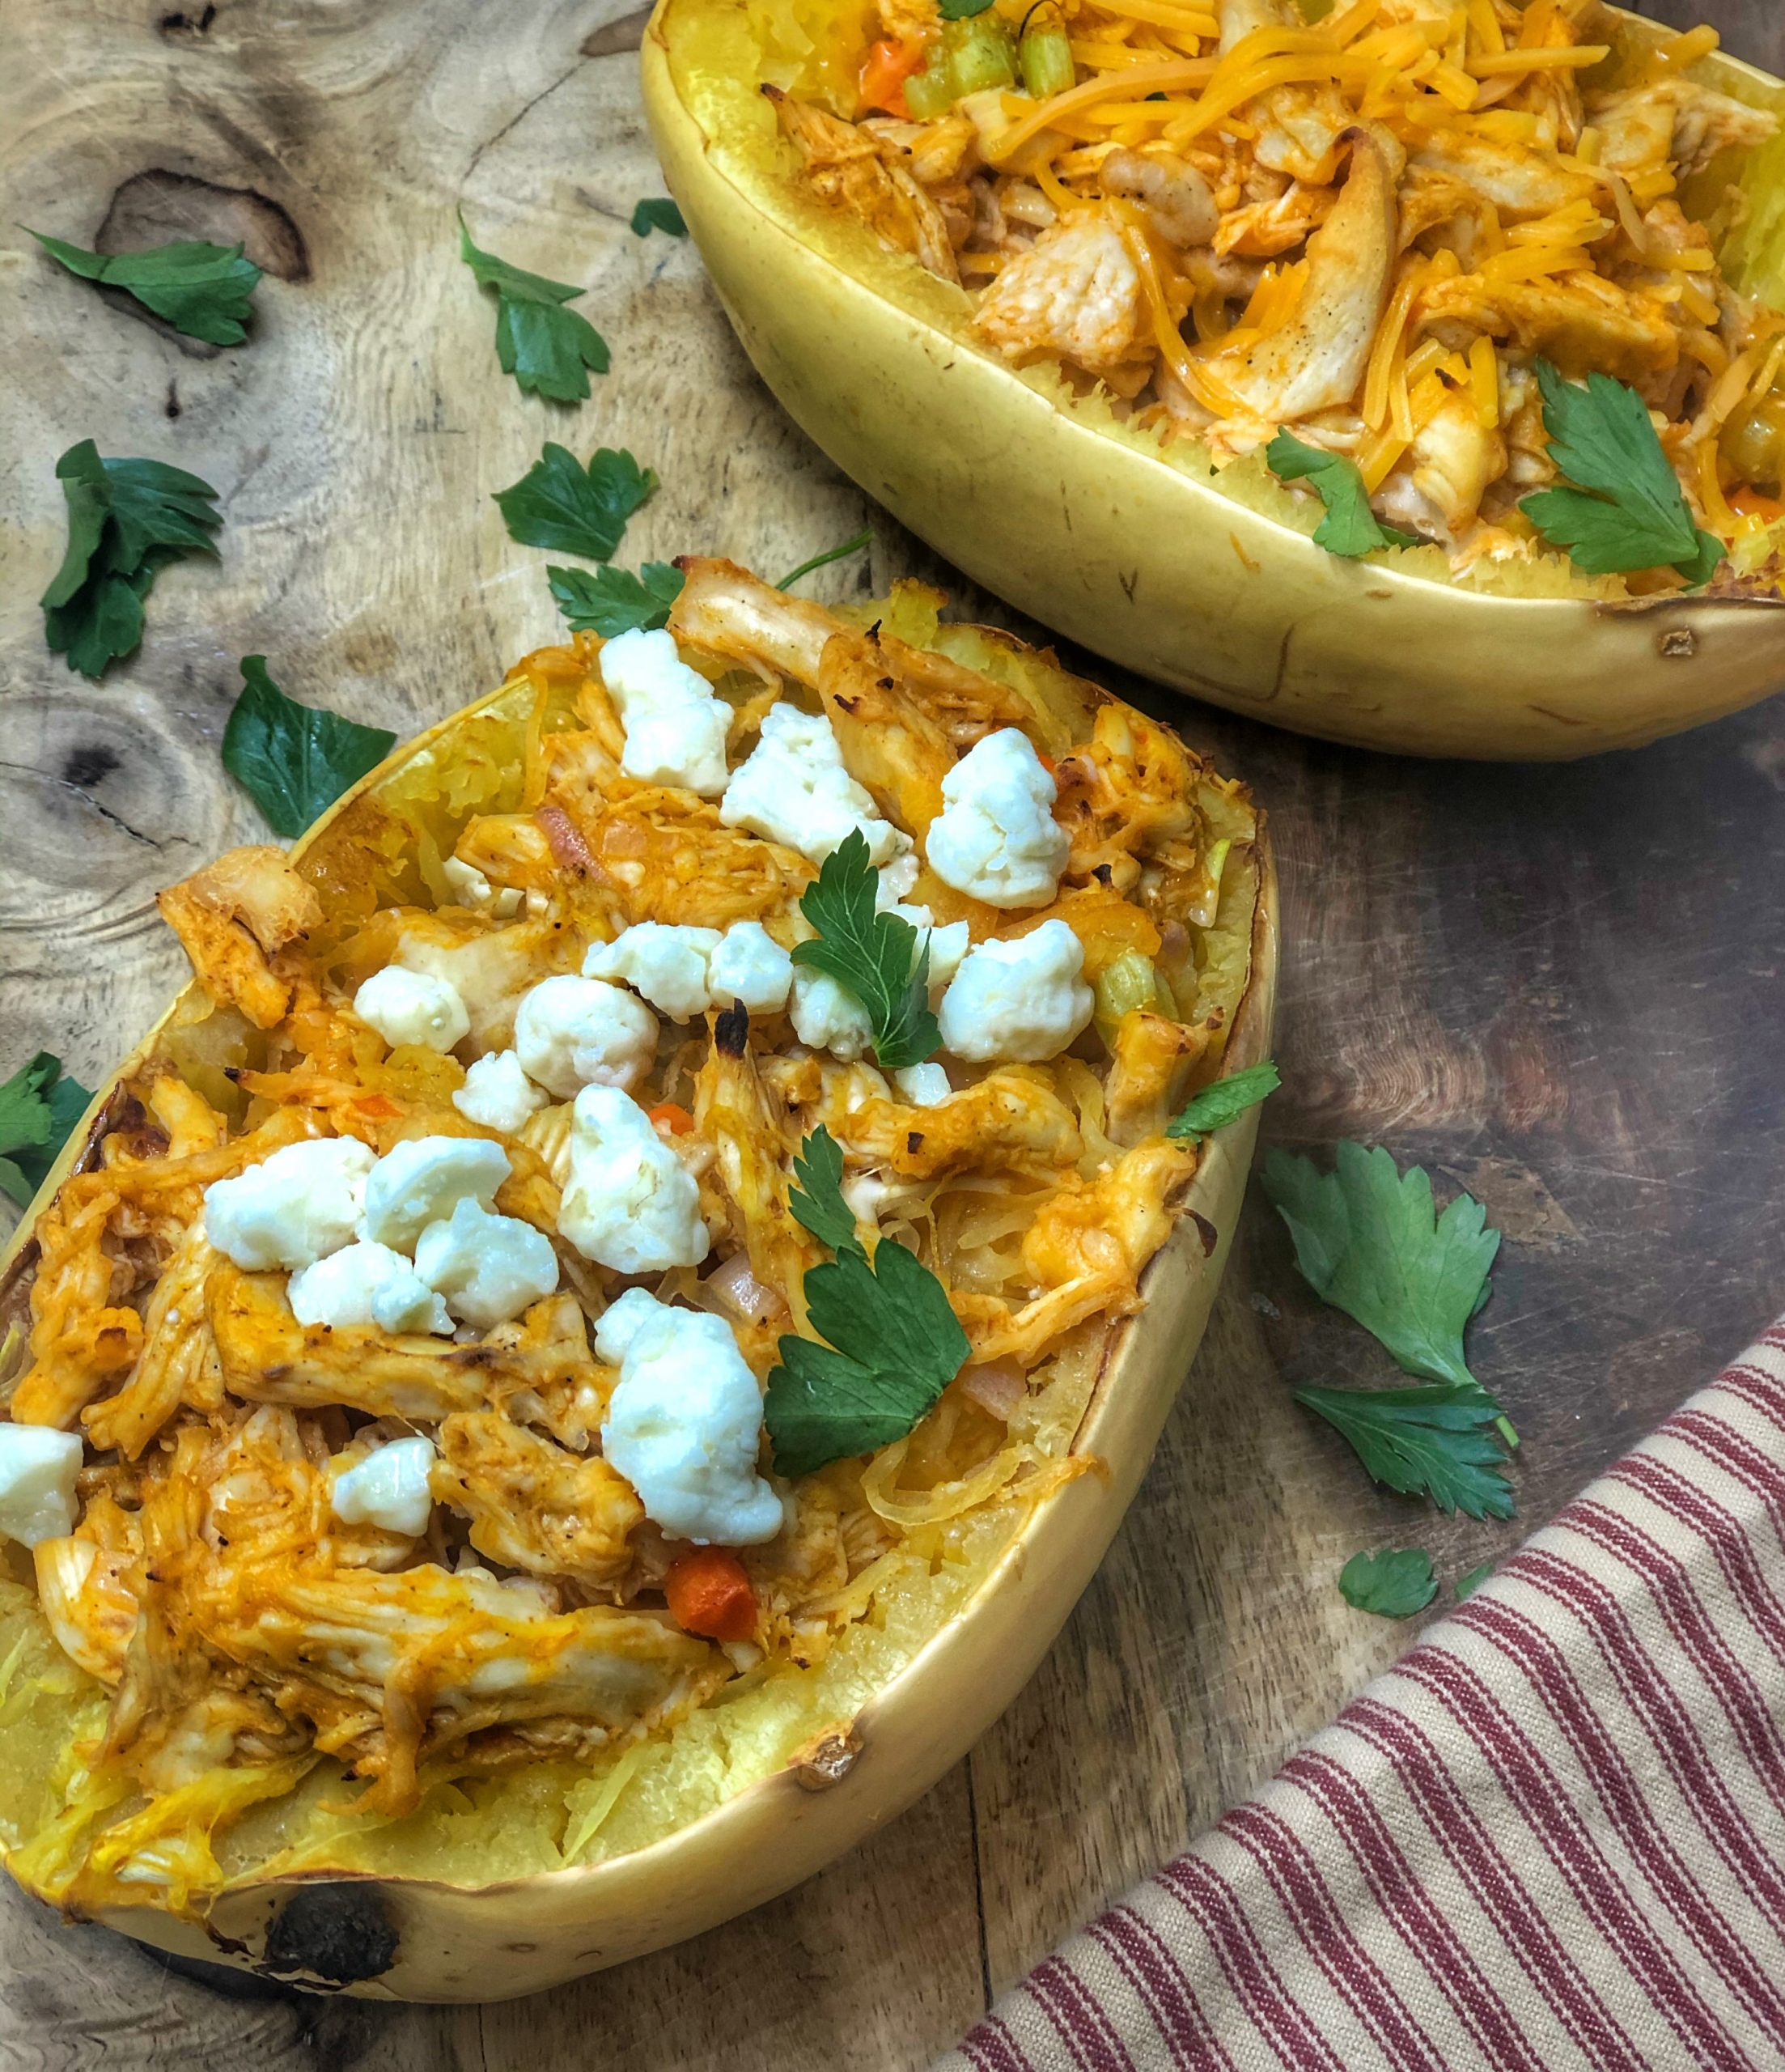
[[412, 1007], [750, 966], [38, 1465], [630, 1202], [387, 1488], [684, 1424], [828, 1017], [996, 838], [367, 1283], [667, 963], [420, 1181], [293, 1208], [571, 1033], [473, 889], [675, 728], [1020, 1001], [497, 1093], [793, 788], [924, 1086], [489, 1267]]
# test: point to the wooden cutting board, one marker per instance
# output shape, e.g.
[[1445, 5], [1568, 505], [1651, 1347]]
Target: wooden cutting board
[[1559, 987]]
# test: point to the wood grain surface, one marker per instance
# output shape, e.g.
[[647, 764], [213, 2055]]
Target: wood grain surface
[[1559, 987]]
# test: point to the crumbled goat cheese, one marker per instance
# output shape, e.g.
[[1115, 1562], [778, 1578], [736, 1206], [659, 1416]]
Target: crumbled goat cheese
[[367, 1283], [474, 890], [996, 838], [570, 1033], [684, 1422], [38, 1465], [630, 1202], [667, 964], [489, 1267], [793, 788], [750, 966], [293, 1208], [675, 728], [827, 1018], [1021, 1000], [387, 1488], [497, 1093], [412, 1007], [424, 1178], [924, 1086]]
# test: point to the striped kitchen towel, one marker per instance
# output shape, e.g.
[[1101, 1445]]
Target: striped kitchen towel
[[1552, 1836]]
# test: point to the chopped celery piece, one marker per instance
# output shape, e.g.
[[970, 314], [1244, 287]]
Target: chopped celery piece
[[931, 92], [1125, 982], [1046, 57], [980, 55]]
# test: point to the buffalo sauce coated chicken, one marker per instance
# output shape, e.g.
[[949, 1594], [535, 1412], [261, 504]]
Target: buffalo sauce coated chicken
[[392, 1384], [1368, 230]]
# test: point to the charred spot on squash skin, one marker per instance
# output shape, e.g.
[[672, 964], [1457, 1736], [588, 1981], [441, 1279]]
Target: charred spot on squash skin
[[335, 1934], [828, 1760], [1206, 1232], [1678, 642]]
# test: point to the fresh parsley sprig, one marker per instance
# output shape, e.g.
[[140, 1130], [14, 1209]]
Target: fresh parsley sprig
[[1438, 1440], [1223, 1101], [891, 1345], [961, 10], [610, 600], [293, 760], [864, 538], [1622, 507], [548, 349], [658, 212], [560, 504], [1350, 528], [1394, 1584], [39, 1106], [199, 288], [127, 519], [877, 958]]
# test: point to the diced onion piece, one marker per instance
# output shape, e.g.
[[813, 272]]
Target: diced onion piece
[[998, 1387], [740, 1290]]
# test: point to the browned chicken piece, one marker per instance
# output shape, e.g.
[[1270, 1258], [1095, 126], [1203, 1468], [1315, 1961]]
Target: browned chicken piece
[[1177, 198], [1316, 361], [1076, 293], [532, 1504], [847, 167], [233, 916], [178, 1363], [488, 965], [190, 1121], [1437, 488], [1124, 797], [1011, 1120], [667, 856], [1264, 229], [84, 1588], [1674, 123], [509, 849], [1433, 201], [1150, 1063], [889, 739], [1579, 320], [938, 153], [737, 617], [1299, 126], [745, 1118], [1518, 179]]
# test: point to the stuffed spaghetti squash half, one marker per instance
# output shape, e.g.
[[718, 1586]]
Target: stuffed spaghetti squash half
[[592, 1350], [1413, 376]]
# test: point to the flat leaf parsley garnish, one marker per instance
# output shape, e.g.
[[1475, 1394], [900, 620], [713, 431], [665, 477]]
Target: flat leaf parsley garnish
[[1350, 528], [1393, 1584], [877, 959], [1224, 1102], [547, 348], [1622, 507], [658, 212], [294, 760], [200, 289], [962, 10], [39, 1106], [1438, 1440], [560, 504], [127, 519], [893, 1342], [864, 538], [610, 600]]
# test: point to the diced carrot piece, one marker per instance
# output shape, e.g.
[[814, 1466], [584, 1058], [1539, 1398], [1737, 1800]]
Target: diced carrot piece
[[1750, 502], [884, 72], [710, 1594], [674, 1114]]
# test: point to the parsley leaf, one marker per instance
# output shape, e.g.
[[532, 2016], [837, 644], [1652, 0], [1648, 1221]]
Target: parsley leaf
[[962, 10], [611, 601], [1221, 1103], [200, 289], [127, 519], [1393, 1584], [1351, 527], [657, 213], [1369, 1240], [1434, 1441], [547, 348], [559, 503], [875, 958], [1466, 1586], [1626, 510], [821, 1207], [864, 538], [894, 1341], [39, 1106], [294, 760]]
